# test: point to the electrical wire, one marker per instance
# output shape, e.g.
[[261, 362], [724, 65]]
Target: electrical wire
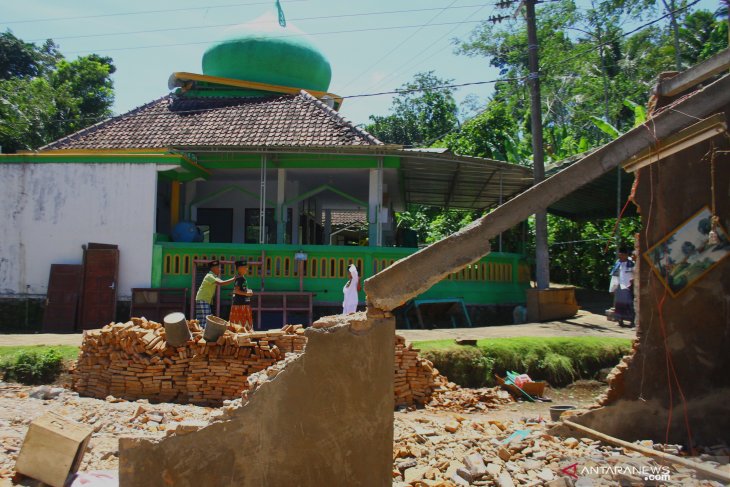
[[212, 26], [347, 31], [396, 47], [416, 59], [140, 12]]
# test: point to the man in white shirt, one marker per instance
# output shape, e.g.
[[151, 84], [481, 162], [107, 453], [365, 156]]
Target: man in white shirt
[[622, 284]]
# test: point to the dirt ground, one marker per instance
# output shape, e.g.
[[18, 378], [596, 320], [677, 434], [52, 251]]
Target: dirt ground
[[585, 323], [431, 445]]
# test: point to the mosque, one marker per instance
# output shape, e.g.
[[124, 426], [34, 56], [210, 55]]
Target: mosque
[[250, 159]]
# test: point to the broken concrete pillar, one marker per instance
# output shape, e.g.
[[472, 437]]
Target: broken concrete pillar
[[325, 419], [416, 273]]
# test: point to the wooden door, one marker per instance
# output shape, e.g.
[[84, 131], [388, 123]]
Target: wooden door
[[62, 299], [99, 297]]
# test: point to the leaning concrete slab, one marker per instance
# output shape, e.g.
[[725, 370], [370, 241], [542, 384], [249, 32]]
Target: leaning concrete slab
[[325, 419], [415, 274]]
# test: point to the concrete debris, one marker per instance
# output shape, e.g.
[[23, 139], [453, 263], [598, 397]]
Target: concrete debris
[[46, 392], [538, 459], [451, 397]]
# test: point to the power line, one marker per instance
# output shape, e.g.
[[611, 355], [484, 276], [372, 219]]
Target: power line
[[141, 12], [415, 59], [366, 70], [348, 31], [434, 88], [213, 26]]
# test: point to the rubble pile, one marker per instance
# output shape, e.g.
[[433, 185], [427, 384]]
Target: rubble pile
[[133, 361], [469, 400], [438, 451]]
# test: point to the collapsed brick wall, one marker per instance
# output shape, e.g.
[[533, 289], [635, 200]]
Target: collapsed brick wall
[[416, 379], [133, 361], [674, 385]]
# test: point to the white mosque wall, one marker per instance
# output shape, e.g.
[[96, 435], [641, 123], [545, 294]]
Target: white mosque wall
[[49, 210]]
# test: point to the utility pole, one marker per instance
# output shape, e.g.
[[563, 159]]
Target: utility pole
[[542, 258]]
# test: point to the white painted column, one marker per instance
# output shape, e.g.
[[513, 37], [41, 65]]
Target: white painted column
[[280, 210], [375, 202], [327, 226], [262, 200]]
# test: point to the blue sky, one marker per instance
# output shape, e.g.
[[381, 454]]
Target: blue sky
[[364, 60]]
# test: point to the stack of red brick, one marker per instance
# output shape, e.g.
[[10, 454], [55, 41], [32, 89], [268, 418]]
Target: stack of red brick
[[416, 380], [133, 361]]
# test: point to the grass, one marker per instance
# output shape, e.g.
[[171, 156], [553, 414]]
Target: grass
[[68, 352], [557, 360]]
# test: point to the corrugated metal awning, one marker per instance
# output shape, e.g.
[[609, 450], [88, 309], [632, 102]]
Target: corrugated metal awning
[[440, 178]]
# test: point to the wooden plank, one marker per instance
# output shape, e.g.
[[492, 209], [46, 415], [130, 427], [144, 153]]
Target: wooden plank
[[695, 75], [64, 290], [398, 283], [704, 469]]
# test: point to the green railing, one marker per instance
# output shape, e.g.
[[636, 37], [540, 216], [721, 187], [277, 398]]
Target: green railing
[[499, 278]]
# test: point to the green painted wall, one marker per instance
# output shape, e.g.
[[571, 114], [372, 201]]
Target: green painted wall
[[499, 278]]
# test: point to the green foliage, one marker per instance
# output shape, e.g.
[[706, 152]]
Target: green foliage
[[559, 361], [583, 252], [595, 82], [432, 223], [420, 115], [44, 97], [466, 366], [605, 127], [68, 352], [30, 367], [588, 68]]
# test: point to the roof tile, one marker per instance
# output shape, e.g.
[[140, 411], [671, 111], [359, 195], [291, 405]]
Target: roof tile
[[170, 121]]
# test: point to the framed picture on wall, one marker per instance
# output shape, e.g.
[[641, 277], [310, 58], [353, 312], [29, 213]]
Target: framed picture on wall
[[685, 255]]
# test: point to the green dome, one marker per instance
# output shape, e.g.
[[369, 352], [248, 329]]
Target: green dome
[[258, 56]]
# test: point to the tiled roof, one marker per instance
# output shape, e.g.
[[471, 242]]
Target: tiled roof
[[346, 217], [290, 120]]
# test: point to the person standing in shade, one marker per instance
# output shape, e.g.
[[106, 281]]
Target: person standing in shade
[[349, 304], [622, 285], [206, 292], [241, 305]]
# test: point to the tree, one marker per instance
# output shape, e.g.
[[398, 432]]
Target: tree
[[421, 114], [84, 92], [44, 97], [19, 59], [493, 134]]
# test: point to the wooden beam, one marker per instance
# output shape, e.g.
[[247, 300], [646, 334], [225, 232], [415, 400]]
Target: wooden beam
[[695, 75], [398, 283], [703, 469]]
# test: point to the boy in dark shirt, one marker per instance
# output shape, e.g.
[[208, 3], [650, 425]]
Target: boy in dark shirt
[[241, 305]]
